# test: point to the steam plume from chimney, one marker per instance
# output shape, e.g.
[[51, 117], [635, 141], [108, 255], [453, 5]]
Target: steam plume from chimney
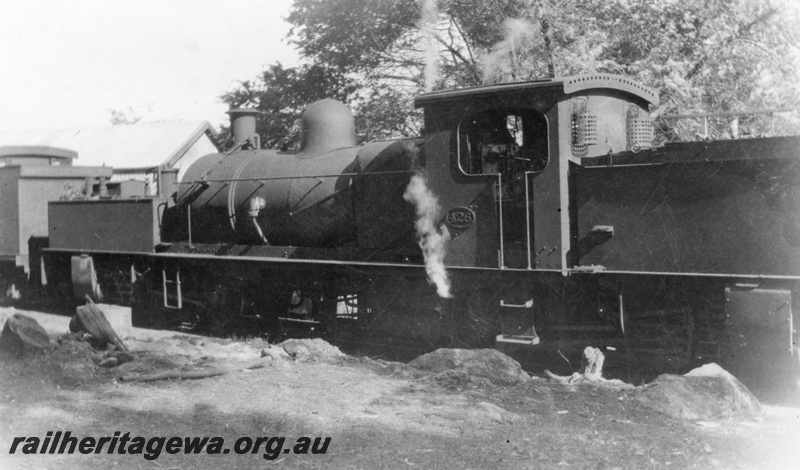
[[427, 25], [432, 240]]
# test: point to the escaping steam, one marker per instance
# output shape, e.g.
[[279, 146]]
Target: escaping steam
[[503, 58], [432, 239], [427, 26]]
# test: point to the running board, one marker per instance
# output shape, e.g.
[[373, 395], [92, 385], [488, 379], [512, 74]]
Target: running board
[[299, 320], [518, 339], [527, 304]]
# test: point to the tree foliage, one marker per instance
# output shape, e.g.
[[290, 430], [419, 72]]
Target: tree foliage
[[701, 55], [281, 94], [119, 117]]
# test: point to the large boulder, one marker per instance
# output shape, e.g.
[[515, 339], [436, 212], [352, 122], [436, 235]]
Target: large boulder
[[708, 392], [475, 365], [22, 334]]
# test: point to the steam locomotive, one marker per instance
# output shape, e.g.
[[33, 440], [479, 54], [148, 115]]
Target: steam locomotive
[[534, 216]]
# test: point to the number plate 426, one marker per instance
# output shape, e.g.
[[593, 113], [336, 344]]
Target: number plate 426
[[460, 217]]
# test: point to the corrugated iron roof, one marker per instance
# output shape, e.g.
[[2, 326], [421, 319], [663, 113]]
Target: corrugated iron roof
[[131, 146]]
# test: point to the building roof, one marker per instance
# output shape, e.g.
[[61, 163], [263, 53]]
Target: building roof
[[36, 151], [129, 146]]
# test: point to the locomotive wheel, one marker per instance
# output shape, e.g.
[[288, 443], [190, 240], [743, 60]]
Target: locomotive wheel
[[115, 284], [662, 339], [673, 325], [221, 313], [308, 309]]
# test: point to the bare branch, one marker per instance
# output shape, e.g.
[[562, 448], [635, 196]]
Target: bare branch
[[744, 29]]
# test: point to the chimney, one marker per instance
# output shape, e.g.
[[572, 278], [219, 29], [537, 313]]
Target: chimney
[[243, 126]]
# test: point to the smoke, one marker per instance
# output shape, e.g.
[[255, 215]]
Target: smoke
[[503, 58], [427, 26], [432, 240]]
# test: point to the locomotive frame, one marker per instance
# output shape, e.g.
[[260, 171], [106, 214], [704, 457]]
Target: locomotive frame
[[566, 229]]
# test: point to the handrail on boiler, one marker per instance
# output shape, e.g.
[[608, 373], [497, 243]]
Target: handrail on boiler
[[296, 177]]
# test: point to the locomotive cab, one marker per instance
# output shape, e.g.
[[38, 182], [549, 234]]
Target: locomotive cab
[[519, 140], [509, 144]]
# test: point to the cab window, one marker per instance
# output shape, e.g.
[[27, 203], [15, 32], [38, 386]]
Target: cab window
[[503, 140]]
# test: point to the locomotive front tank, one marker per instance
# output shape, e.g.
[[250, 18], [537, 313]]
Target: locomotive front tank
[[254, 196]]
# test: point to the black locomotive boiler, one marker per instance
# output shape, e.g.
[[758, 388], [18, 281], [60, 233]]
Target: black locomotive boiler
[[533, 216]]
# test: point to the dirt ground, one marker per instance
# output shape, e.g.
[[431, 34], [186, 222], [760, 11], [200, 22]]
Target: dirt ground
[[377, 414]]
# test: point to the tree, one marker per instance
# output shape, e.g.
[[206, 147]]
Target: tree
[[701, 55], [707, 56], [281, 94], [124, 117]]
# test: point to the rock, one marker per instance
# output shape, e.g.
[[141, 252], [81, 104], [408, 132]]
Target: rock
[[109, 362], [275, 353], [481, 365], [310, 349], [122, 357], [451, 378], [708, 392], [497, 414], [22, 334], [75, 325]]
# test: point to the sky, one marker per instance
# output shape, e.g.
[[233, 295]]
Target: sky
[[64, 64]]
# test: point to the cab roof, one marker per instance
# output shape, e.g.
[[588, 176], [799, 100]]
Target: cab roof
[[567, 85]]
